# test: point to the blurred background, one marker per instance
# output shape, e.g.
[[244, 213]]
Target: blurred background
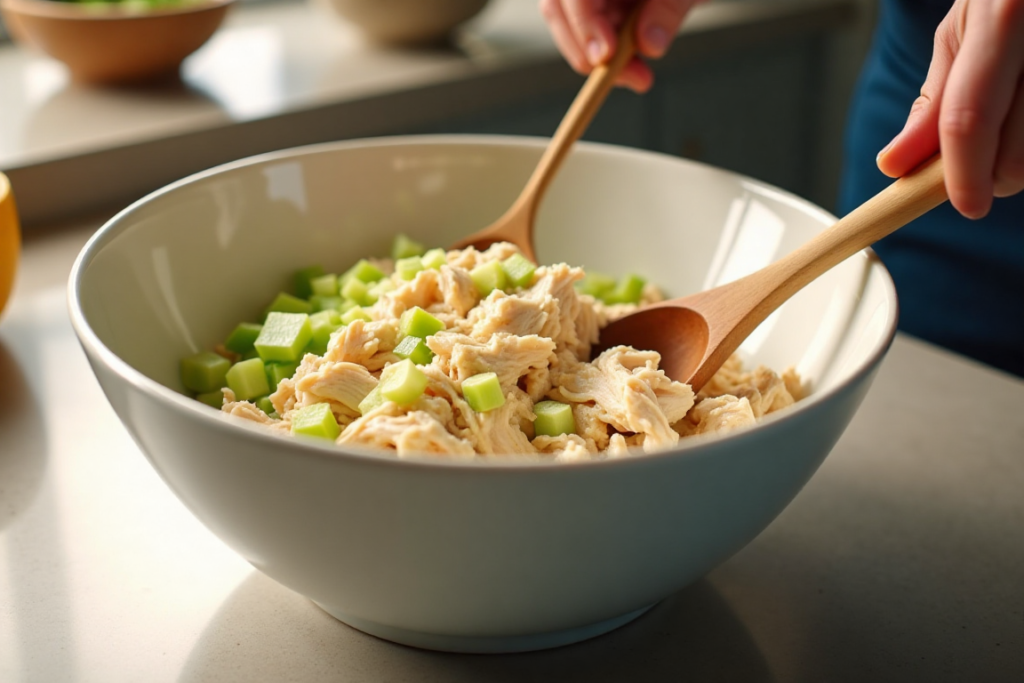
[[755, 86]]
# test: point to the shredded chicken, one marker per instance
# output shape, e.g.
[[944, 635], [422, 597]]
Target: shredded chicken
[[537, 339]]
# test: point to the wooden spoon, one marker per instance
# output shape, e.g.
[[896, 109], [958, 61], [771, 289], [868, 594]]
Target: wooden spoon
[[516, 225], [697, 333]]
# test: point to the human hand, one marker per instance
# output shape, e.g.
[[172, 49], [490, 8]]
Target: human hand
[[971, 106], [585, 32]]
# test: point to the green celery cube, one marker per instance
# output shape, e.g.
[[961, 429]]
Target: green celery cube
[[264, 404], [242, 337], [404, 247], [415, 349], [628, 290], [381, 288], [356, 290], [597, 285], [434, 259], [364, 271], [211, 398], [204, 371], [371, 401], [553, 418], [402, 382], [286, 303], [248, 379], [316, 420], [302, 278], [284, 336], [518, 270], [488, 277], [416, 322], [483, 392], [353, 314], [326, 303], [277, 371], [325, 285], [408, 267]]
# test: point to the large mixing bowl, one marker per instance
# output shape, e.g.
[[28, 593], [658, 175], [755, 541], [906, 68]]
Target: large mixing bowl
[[467, 556]]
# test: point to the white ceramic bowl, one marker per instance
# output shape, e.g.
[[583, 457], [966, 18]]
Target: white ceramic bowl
[[467, 556]]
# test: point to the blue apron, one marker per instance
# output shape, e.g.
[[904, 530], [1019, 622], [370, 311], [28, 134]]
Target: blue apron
[[960, 282]]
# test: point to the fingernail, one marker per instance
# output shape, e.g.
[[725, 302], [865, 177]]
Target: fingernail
[[595, 52], [657, 39], [885, 149]]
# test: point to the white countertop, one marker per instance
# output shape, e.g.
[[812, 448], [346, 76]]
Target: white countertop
[[901, 560], [288, 73]]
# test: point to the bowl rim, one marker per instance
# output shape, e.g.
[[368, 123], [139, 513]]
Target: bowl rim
[[689, 447], [70, 11]]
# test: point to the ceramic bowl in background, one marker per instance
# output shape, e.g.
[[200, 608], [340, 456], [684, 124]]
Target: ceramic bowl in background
[[467, 556], [406, 22], [115, 43]]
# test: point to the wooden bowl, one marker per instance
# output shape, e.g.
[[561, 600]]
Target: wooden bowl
[[114, 44]]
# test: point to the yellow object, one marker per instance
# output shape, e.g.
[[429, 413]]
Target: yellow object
[[10, 240]]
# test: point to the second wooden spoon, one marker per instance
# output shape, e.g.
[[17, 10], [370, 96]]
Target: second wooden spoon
[[697, 333], [516, 225]]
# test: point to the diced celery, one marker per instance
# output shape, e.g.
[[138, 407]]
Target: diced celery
[[284, 336], [416, 322], [316, 420], [434, 259], [264, 404], [325, 285], [597, 285], [248, 379], [277, 371], [286, 303], [250, 354], [404, 247], [483, 392], [489, 276], [381, 288], [347, 305], [519, 270], [326, 303], [211, 398], [364, 271], [322, 325], [242, 337], [356, 290], [408, 267], [415, 350], [553, 418], [628, 290], [354, 314], [402, 382], [204, 371], [371, 400], [301, 280]]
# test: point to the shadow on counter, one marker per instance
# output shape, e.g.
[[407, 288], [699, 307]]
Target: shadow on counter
[[264, 631]]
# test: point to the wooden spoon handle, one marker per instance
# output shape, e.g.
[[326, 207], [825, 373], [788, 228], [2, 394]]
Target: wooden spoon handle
[[740, 306], [582, 110]]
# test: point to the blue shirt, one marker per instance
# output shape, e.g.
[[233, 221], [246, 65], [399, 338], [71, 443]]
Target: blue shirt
[[960, 282]]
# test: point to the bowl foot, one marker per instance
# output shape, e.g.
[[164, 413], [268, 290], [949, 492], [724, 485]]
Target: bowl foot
[[485, 644]]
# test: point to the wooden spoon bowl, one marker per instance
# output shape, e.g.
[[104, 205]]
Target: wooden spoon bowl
[[696, 334]]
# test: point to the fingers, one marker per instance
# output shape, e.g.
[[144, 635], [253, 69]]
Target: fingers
[[659, 23], [585, 32], [1009, 177], [981, 89], [919, 138], [971, 106]]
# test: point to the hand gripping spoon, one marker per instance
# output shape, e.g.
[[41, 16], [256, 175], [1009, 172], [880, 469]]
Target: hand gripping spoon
[[697, 333], [516, 225]]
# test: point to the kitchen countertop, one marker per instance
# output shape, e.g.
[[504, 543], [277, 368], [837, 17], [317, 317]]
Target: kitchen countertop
[[901, 560], [287, 73]]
